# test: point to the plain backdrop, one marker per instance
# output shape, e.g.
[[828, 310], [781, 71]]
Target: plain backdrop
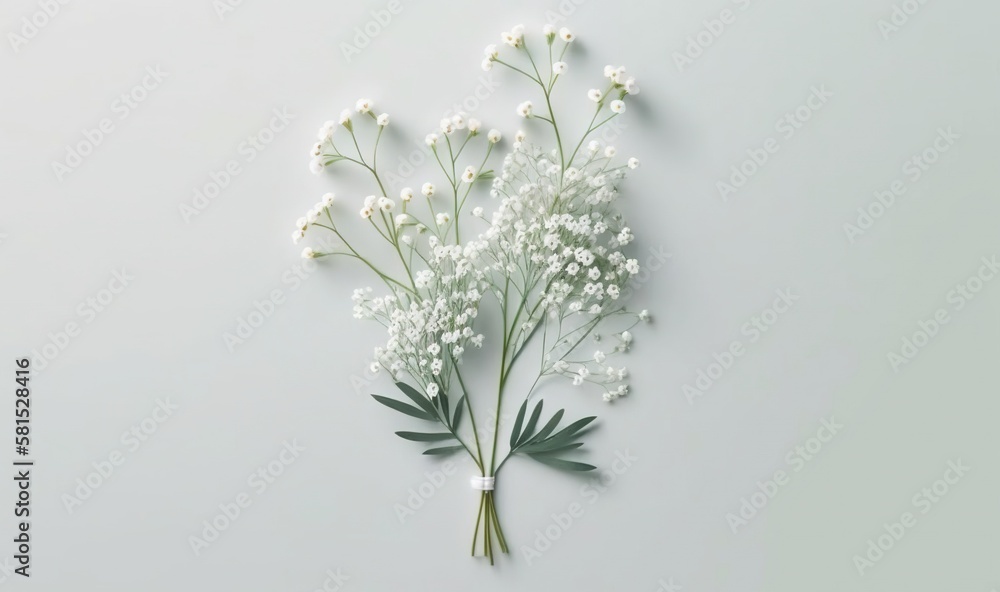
[[672, 518]]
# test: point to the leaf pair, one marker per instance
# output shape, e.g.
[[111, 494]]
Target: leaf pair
[[436, 410], [544, 446]]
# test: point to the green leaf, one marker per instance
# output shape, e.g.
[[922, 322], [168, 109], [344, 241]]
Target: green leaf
[[418, 398], [547, 429], [532, 422], [569, 431], [559, 463], [516, 432], [404, 408], [549, 447], [459, 409], [444, 450], [424, 437]]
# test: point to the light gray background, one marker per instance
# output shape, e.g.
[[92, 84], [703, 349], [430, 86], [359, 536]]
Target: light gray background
[[664, 519]]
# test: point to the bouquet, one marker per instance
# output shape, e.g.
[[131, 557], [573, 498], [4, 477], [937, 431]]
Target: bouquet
[[549, 262]]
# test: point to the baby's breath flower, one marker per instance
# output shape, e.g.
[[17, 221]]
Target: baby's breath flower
[[549, 30], [458, 120], [566, 35], [328, 199], [469, 175], [491, 52], [559, 68], [618, 106], [427, 189], [366, 212], [442, 218], [595, 95], [302, 223], [447, 127], [383, 119], [474, 125], [519, 136], [644, 315], [297, 236], [431, 140], [477, 212], [432, 390], [494, 136], [385, 204], [487, 65], [524, 109], [406, 194], [633, 163], [316, 166], [308, 253], [610, 151], [631, 86], [363, 106]]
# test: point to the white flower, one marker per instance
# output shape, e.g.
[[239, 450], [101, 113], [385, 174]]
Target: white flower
[[618, 106], [458, 120], [524, 109], [297, 236], [308, 253], [549, 31], [374, 367], [326, 131], [427, 189], [515, 37], [366, 212], [609, 71], [631, 86], [317, 150], [363, 106], [447, 127], [328, 199], [595, 95], [599, 357], [559, 68], [626, 337], [402, 219], [518, 30], [316, 166], [406, 194], [370, 201], [494, 136], [644, 315], [385, 204], [302, 223], [487, 65], [477, 212], [491, 52], [469, 175], [312, 216], [633, 163], [474, 125], [432, 389], [442, 218], [345, 117], [431, 139], [566, 35], [519, 136], [593, 146], [610, 151], [383, 120]]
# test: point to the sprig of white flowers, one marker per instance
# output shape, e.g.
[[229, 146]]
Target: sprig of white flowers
[[553, 254]]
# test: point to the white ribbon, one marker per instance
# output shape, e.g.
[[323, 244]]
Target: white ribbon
[[482, 483]]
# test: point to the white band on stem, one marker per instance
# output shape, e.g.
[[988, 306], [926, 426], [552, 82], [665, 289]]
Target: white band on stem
[[482, 483]]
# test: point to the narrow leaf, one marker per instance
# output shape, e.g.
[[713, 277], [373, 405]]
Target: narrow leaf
[[459, 409], [567, 465], [516, 432], [444, 450], [547, 429], [404, 408], [423, 437], [550, 447], [573, 428], [418, 398], [532, 422]]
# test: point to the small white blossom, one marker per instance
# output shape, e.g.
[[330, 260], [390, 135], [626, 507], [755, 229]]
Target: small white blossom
[[469, 175], [363, 106], [474, 125], [566, 35], [406, 194], [385, 204], [633, 163], [432, 389], [431, 140], [427, 189], [524, 109], [442, 218], [366, 212], [383, 119], [559, 68], [328, 199], [595, 95], [610, 151], [477, 212], [618, 106], [316, 166], [494, 136], [631, 86], [308, 253]]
